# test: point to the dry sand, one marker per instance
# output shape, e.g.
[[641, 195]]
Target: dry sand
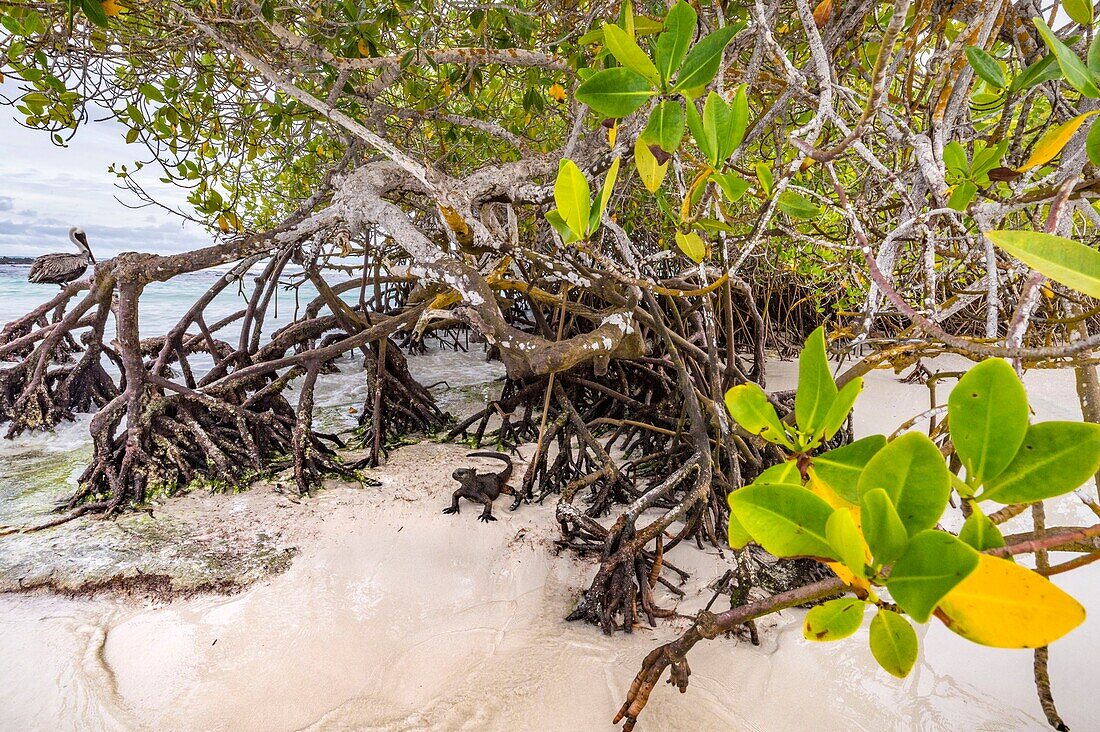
[[393, 615]]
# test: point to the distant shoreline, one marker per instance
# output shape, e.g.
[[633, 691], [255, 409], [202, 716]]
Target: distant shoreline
[[16, 260]]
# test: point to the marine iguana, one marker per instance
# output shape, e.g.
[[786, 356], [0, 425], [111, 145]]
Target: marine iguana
[[483, 488]]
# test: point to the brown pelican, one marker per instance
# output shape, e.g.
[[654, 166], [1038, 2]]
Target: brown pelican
[[57, 269]]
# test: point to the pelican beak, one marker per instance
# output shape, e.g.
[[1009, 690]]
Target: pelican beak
[[83, 239]]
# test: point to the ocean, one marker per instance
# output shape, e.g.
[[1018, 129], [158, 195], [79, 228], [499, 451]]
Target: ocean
[[162, 303]]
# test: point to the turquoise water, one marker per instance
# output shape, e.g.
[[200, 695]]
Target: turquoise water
[[163, 303]]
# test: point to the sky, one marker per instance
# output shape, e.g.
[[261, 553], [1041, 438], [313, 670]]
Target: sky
[[45, 189]]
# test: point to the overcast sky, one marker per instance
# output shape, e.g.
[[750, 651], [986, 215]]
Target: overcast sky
[[45, 189]]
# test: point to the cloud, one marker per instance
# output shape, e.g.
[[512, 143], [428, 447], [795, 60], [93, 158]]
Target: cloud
[[45, 189]]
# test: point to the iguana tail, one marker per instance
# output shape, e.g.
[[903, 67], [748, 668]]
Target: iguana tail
[[505, 474]]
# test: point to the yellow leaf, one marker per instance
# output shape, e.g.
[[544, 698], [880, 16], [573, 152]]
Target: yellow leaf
[[823, 491], [557, 93], [823, 12], [692, 245], [1053, 140], [827, 494], [651, 172], [612, 133], [223, 224], [112, 8], [847, 577], [1005, 605]]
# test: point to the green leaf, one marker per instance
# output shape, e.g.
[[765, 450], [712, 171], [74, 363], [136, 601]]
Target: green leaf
[[749, 406], [629, 54], [736, 534], [567, 235], [893, 643], [987, 414], [840, 408], [932, 565], [816, 389], [1075, 72], [151, 92], [699, 132], [784, 472], [1080, 11], [840, 468], [986, 160], [714, 225], [954, 158], [787, 520], [615, 92], [981, 533], [764, 175], [739, 108], [573, 197], [626, 19], [95, 12], [986, 67], [796, 205], [692, 245], [702, 62], [1092, 142], [846, 541], [834, 620], [1045, 69], [674, 41], [646, 26], [913, 473], [666, 125], [1054, 458], [882, 528], [1092, 59], [1062, 260], [962, 195], [732, 185], [605, 196], [717, 126]]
